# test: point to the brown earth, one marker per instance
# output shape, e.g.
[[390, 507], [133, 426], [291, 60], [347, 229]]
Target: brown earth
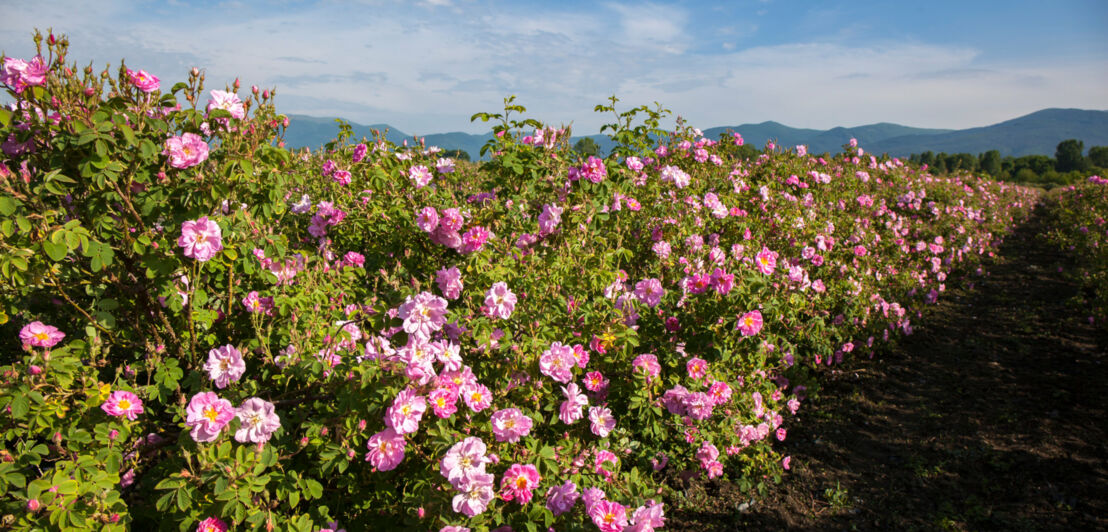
[[992, 416]]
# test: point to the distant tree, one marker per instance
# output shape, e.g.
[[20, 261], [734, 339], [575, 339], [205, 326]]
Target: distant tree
[[587, 147], [990, 163], [1098, 155], [1068, 156], [457, 155], [1025, 175], [927, 157]]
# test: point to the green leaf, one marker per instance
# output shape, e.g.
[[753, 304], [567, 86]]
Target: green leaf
[[7, 206], [56, 252]]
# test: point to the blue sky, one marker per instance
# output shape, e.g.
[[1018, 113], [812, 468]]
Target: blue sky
[[426, 66]]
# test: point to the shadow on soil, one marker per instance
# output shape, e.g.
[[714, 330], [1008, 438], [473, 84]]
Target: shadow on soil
[[992, 416]]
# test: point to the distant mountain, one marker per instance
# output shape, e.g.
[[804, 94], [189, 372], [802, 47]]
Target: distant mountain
[[1035, 134]]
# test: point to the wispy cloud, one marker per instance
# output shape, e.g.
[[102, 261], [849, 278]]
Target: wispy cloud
[[425, 67]]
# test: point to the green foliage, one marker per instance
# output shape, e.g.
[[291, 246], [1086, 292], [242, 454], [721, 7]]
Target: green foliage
[[1069, 156]]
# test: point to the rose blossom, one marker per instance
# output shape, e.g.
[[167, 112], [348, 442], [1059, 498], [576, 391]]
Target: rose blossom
[[38, 334], [201, 239], [519, 482], [186, 151], [228, 101], [225, 365], [259, 421], [123, 403], [509, 425], [212, 524], [500, 301], [207, 414], [143, 81], [750, 323], [386, 450], [601, 421]]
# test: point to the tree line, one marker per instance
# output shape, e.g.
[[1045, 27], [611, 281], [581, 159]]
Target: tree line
[[1069, 164]]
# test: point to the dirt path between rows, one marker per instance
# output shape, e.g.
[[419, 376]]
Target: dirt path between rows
[[992, 416]]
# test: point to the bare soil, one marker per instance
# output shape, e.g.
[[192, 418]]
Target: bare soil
[[992, 416]]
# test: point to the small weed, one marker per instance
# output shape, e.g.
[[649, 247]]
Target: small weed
[[837, 497]]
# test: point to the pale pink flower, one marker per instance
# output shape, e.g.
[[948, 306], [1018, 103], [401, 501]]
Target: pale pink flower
[[699, 405], [601, 421], [445, 165], [450, 282], [474, 239], [650, 292], [123, 403], [594, 169], [509, 425], [423, 314], [201, 239], [420, 175], [427, 219], [19, 74], [406, 411], [186, 151], [386, 450], [571, 409], [207, 415], [561, 499], [519, 482], [259, 421], [550, 218], [750, 323], [648, 518], [228, 101], [452, 219], [591, 497], [477, 490], [463, 460], [558, 362], [38, 334], [676, 175], [225, 365], [648, 365], [500, 302]]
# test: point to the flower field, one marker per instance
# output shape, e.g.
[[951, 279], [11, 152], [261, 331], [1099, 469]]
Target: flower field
[[1079, 229], [205, 331]]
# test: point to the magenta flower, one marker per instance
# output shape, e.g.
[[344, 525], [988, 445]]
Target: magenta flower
[[558, 362], [750, 323], [648, 518], [225, 365], [500, 302], [406, 411], [464, 459], [420, 175], [212, 524], [476, 492], [601, 421], [452, 220], [596, 382], [609, 516], [518, 483], [201, 239], [509, 425], [593, 169], [561, 499], [766, 261], [444, 401], [144, 81], [423, 314], [19, 74], [650, 292], [259, 421], [450, 282], [474, 239], [386, 450], [696, 368], [38, 334], [186, 151], [228, 101], [123, 403], [207, 415], [571, 409], [359, 153]]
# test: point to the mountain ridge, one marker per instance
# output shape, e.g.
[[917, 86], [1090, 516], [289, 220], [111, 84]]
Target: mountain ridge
[[1036, 133]]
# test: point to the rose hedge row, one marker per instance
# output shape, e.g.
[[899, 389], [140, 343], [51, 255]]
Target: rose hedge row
[[207, 330], [1076, 219]]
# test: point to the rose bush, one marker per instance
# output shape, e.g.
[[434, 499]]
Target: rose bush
[[1077, 220], [207, 330]]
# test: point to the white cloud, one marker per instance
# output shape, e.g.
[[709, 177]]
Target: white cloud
[[425, 70]]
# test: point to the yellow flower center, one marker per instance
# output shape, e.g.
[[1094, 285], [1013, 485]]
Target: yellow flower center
[[521, 482], [42, 337], [211, 413], [124, 404]]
